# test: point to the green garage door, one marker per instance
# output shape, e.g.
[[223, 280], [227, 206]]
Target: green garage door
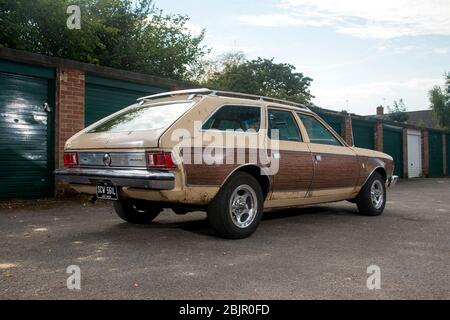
[[333, 121], [363, 134], [106, 96], [447, 148], [26, 144], [435, 154], [393, 145]]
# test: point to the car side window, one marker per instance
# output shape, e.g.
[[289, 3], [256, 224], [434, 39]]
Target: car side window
[[230, 117], [284, 122], [317, 132]]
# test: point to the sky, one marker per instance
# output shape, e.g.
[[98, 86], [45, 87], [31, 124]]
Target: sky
[[360, 54]]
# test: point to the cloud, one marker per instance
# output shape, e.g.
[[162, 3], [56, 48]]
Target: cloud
[[222, 44], [441, 50], [382, 19], [417, 49], [364, 97], [193, 28]]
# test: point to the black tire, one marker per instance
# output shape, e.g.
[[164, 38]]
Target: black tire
[[136, 212], [366, 204], [220, 215], [180, 211]]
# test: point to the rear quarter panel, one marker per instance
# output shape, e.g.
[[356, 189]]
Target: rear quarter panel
[[189, 142]]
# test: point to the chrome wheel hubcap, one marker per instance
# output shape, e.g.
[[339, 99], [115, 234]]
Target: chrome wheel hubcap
[[377, 194], [243, 206]]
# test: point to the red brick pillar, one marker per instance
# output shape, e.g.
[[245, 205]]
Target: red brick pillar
[[69, 110], [425, 155], [444, 152], [405, 153], [347, 130], [379, 136]]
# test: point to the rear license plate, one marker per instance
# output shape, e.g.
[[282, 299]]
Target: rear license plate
[[107, 191]]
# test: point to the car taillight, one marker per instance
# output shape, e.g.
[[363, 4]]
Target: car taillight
[[70, 159], [160, 160]]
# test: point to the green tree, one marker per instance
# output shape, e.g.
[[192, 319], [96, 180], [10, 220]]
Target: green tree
[[207, 68], [232, 58], [262, 77], [440, 103], [398, 112], [125, 34]]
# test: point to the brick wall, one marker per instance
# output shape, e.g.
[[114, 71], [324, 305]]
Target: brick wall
[[69, 111], [347, 130], [379, 136]]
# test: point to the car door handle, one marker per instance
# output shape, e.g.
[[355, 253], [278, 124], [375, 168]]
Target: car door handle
[[318, 157]]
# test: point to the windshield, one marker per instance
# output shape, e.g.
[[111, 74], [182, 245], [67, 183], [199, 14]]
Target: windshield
[[144, 118]]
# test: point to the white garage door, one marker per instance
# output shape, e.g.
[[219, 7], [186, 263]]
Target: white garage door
[[414, 154]]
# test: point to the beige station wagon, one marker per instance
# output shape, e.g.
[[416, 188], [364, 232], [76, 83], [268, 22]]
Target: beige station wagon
[[234, 155]]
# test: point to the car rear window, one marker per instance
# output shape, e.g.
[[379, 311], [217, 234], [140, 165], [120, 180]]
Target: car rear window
[[144, 118]]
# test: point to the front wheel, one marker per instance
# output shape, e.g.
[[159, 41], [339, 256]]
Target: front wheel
[[237, 209], [137, 212], [372, 198]]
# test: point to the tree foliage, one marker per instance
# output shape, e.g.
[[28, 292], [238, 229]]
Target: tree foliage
[[208, 68], [398, 112], [261, 77], [125, 34], [133, 35], [440, 103]]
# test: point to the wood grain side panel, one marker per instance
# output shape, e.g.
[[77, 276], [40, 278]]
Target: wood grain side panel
[[295, 171], [212, 171], [207, 175], [335, 171], [369, 164], [364, 170]]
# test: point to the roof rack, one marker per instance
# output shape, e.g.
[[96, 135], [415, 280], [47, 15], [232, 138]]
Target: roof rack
[[211, 92]]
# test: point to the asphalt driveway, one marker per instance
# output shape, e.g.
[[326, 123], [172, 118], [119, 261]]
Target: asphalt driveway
[[311, 253]]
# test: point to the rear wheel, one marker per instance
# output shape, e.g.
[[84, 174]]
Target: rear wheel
[[180, 211], [237, 209], [372, 198], [137, 212]]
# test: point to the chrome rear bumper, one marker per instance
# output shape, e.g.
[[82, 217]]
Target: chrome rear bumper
[[392, 181], [134, 178]]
